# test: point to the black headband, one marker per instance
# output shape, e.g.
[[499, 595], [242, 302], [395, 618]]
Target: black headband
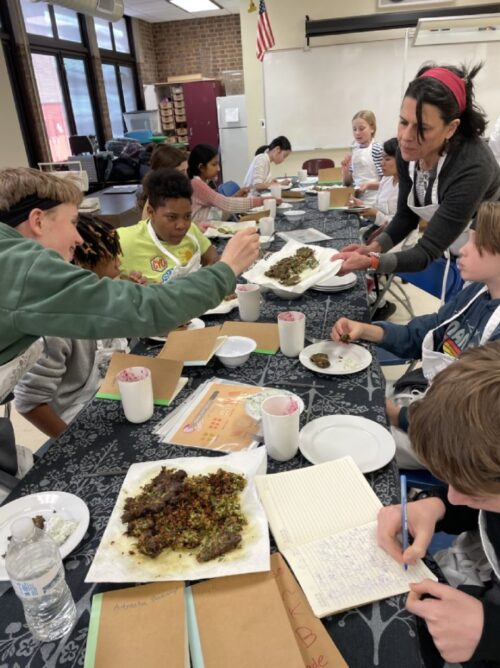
[[20, 211]]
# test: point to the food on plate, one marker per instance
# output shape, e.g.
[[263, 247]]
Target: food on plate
[[320, 360], [57, 527], [288, 270], [225, 230], [345, 338], [200, 514]]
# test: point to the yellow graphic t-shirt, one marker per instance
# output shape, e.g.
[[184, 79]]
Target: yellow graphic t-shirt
[[140, 253]]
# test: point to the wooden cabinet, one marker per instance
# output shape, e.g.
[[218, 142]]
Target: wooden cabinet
[[188, 111]]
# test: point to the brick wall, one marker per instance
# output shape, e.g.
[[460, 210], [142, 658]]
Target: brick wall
[[147, 65], [209, 46]]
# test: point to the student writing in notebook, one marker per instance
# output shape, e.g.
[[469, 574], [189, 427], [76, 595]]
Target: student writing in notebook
[[460, 446]]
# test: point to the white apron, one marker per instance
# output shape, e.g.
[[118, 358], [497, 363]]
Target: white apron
[[12, 372], [179, 270], [363, 170], [432, 361]]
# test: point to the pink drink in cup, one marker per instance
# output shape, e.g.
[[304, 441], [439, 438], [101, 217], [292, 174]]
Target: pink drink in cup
[[136, 389], [292, 330]]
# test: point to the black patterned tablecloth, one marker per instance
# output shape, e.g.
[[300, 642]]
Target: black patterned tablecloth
[[382, 634]]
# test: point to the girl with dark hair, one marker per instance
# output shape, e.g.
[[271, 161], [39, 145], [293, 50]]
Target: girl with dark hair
[[445, 172], [258, 175], [207, 203]]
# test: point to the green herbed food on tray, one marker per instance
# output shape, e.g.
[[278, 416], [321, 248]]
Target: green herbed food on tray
[[200, 514], [288, 270]]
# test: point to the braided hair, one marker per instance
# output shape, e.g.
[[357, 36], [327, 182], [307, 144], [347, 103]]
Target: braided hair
[[100, 241]]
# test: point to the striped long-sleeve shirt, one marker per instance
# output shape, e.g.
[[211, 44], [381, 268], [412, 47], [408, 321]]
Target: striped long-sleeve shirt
[[205, 198]]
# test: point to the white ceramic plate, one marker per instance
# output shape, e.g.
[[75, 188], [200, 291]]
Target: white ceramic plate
[[284, 186], [336, 283], [284, 205], [296, 213], [335, 436], [309, 180], [195, 323], [67, 506], [345, 358], [253, 403], [223, 308]]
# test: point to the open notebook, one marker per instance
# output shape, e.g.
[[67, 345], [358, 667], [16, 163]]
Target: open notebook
[[324, 521]]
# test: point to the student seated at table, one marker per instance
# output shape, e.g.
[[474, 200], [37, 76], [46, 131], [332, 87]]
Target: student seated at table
[[166, 245], [471, 318], [454, 430], [163, 157], [66, 377], [208, 204], [258, 176]]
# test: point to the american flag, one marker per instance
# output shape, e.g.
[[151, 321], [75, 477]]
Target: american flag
[[265, 37]]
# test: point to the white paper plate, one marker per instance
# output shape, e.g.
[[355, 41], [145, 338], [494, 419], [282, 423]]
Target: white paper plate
[[67, 506], [284, 205], [223, 308], [309, 180], [296, 213], [345, 358], [233, 228], [257, 209], [195, 323], [336, 283], [335, 436], [284, 186], [253, 403]]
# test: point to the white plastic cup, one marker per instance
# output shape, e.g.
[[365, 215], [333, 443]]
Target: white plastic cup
[[266, 226], [275, 190], [323, 200], [270, 205], [248, 301], [292, 331], [302, 174], [280, 424], [136, 389]]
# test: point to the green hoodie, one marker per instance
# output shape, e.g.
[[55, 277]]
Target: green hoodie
[[43, 295]]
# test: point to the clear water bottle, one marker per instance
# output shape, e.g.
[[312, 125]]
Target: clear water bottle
[[34, 565]]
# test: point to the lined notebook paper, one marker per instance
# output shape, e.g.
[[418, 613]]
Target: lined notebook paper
[[323, 519]]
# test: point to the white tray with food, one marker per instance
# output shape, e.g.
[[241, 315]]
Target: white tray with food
[[295, 268], [152, 535], [224, 230]]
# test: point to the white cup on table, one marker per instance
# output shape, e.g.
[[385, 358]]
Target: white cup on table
[[275, 190], [292, 331], [136, 390], [302, 174], [270, 205], [266, 226], [323, 200], [280, 424], [248, 301]]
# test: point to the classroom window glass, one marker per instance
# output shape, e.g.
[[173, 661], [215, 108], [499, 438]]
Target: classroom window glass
[[103, 34], [128, 87], [53, 107], [121, 36], [68, 26], [37, 18], [113, 98], [79, 93]]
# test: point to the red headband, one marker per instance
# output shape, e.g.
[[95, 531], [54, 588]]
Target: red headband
[[453, 82]]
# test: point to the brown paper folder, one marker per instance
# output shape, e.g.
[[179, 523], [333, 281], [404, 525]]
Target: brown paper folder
[[193, 347], [165, 374], [265, 334], [330, 175], [140, 626], [292, 194], [256, 215], [339, 197]]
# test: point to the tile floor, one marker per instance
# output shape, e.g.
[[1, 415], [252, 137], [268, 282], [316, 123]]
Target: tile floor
[[422, 302]]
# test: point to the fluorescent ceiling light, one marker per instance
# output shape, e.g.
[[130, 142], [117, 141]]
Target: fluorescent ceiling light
[[193, 6], [457, 30]]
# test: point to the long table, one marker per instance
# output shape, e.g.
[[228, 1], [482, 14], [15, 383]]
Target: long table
[[382, 634]]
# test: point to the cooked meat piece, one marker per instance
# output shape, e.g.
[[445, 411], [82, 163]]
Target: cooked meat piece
[[39, 521], [288, 270], [217, 545], [161, 491], [345, 338], [320, 360]]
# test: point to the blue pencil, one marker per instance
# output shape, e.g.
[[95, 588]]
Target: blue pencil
[[404, 515]]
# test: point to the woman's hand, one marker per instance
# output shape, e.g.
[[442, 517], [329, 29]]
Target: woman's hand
[[422, 518], [392, 411], [455, 620], [353, 261]]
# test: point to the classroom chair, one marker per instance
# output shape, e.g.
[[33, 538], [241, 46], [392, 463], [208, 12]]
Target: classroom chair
[[229, 188], [315, 164]]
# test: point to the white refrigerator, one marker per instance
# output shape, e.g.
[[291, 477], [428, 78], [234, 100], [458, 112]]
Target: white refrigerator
[[232, 118]]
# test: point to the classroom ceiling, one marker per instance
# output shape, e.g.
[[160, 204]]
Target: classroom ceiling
[[156, 11]]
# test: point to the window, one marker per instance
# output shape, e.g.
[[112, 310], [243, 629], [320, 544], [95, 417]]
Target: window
[[51, 21], [79, 94], [120, 94], [112, 36]]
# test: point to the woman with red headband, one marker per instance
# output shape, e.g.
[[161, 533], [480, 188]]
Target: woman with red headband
[[445, 172]]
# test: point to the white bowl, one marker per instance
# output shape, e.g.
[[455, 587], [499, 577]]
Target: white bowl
[[294, 213], [236, 350], [285, 294]]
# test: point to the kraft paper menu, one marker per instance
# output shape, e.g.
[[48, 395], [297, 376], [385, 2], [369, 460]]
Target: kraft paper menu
[[339, 197], [167, 382], [265, 334], [194, 347], [330, 175], [135, 626], [324, 521]]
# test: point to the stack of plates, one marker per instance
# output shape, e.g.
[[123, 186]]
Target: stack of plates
[[336, 283]]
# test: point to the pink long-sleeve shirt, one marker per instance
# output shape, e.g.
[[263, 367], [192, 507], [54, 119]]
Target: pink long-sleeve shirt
[[205, 198]]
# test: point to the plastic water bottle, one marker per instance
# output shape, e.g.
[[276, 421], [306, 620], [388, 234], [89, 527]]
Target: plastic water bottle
[[34, 565]]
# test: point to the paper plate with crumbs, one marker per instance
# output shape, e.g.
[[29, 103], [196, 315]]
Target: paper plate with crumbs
[[335, 359], [65, 518], [186, 519]]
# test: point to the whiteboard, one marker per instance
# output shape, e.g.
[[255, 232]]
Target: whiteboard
[[311, 95]]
